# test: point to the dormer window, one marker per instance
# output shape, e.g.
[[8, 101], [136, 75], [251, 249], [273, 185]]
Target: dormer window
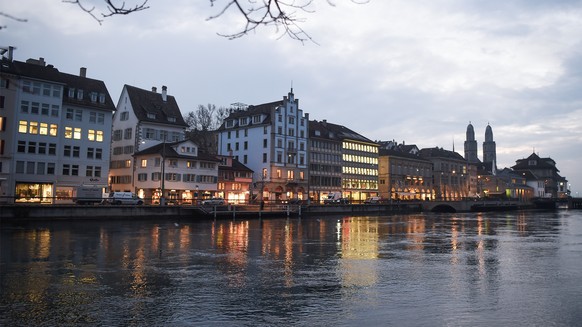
[[93, 97], [532, 162], [244, 121], [172, 119], [101, 98], [229, 123], [151, 115], [71, 92], [317, 133], [256, 119], [79, 94]]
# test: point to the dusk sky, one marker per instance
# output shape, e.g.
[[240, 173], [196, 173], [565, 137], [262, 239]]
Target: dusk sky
[[412, 71]]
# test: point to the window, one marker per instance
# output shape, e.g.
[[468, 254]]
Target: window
[[66, 169], [67, 151], [125, 116], [20, 167], [142, 177], [90, 153], [256, 119], [117, 135], [40, 168], [22, 126], [76, 151], [264, 173], [91, 135], [278, 173], [55, 108], [245, 159], [77, 133], [52, 150], [42, 148], [50, 168], [144, 163], [71, 92], [156, 176], [98, 154], [264, 157], [33, 127], [68, 132], [264, 143], [34, 108], [127, 134], [291, 120], [43, 129], [79, 94], [24, 106], [21, 146], [31, 147], [246, 145], [78, 115], [45, 108], [30, 167], [290, 174], [53, 130]]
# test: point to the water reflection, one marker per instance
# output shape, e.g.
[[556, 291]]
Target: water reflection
[[286, 271]]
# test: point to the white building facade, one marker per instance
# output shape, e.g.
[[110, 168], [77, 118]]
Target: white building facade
[[176, 171], [143, 119], [54, 133], [270, 139]]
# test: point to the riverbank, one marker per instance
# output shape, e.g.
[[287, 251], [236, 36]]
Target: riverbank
[[84, 212]]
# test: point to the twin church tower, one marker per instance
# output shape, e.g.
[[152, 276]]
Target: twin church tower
[[489, 150]]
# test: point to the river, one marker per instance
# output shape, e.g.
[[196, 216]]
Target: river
[[469, 269]]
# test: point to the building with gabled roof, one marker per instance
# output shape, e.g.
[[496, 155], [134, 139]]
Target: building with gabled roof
[[175, 173], [270, 139], [543, 169], [450, 173], [55, 132], [234, 180], [143, 119]]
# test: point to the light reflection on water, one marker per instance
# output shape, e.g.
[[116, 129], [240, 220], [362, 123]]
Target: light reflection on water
[[456, 269]]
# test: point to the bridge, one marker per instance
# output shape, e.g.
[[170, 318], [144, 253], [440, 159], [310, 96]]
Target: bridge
[[471, 205]]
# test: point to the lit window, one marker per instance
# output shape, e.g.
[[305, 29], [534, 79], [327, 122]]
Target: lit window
[[33, 127], [77, 133], [43, 129], [99, 136], [144, 163], [53, 130], [91, 135], [23, 126]]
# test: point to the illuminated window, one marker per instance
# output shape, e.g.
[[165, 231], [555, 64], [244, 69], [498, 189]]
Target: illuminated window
[[22, 126], [278, 173], [68, 132], [33, 127], [91, 135], [144, 163], [99, 136], [53, 130], [43, 129], [77, 133]]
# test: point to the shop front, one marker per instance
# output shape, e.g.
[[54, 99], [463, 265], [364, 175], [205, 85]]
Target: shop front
[[27, 192]]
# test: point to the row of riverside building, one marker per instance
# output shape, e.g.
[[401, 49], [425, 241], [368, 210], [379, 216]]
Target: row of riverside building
[[60, 131]]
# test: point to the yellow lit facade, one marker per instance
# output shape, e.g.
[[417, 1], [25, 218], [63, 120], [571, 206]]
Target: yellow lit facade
[[360, 169]]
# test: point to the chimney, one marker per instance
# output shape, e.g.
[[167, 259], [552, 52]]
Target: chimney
[[39, 62], [154, 89], [164, 93], [83, 72], [10, 52]]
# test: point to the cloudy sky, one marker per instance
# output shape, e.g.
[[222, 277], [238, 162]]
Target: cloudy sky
[[413, 71]]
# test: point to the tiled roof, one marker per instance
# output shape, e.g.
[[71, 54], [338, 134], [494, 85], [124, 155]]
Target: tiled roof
[[540, 163], [400, 154], [341, 131], [440, 153], [167, 150], [253, 110], [51, 74], [146, 102], [236, 166]]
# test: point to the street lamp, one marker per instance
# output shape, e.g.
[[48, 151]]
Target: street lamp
[[162, 197]]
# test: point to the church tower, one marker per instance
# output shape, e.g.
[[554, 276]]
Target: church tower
[[471, 145], [489, 151]]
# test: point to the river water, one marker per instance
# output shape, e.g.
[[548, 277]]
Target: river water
[[503, 269]]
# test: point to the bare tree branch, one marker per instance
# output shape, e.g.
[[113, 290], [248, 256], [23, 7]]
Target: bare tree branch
[[282, 14], [111, 7], [22, 20]]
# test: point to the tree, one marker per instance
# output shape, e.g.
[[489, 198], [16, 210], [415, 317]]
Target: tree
[[283, 14], [203, 122]]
